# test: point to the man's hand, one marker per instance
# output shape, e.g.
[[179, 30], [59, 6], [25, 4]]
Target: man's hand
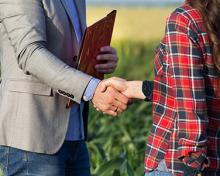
[[109, 59], [109, 101]]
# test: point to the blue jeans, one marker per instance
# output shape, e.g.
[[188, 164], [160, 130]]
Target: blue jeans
[[71, 160], [161, 170]]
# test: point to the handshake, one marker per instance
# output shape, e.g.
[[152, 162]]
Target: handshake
[[112, 95]]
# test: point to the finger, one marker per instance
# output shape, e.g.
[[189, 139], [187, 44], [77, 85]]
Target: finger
[[113, 82], [106, 71], [111, 113], [108, 49], [114, 78], [105, 66], [107, 57], [113, 108], [120, 105], [103, 86], [121, 98], [117, 84], [118, 78], [119, 111]]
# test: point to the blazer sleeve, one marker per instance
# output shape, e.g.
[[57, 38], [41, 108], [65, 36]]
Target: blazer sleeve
[[24, 22]]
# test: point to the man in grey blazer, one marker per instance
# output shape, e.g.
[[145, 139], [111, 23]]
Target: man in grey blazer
[[39, 135]]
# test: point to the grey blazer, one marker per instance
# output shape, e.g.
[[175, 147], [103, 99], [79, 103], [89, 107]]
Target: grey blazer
[[38, 45]]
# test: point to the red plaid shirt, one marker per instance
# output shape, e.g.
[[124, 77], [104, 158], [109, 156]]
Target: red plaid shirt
[[186, 102]]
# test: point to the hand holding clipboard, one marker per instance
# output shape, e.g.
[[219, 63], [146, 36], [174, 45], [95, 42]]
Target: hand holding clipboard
[[95, 37]]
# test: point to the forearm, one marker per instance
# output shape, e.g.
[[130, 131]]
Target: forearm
[[39, 62]]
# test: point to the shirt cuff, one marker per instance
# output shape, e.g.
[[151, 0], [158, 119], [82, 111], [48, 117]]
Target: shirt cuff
[[195, 163], [195, 160], [90, 89], [147, 89]]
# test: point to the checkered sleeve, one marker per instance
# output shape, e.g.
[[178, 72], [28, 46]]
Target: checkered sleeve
[[186, 59]]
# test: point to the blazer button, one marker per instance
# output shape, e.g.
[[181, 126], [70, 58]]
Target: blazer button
[[60, 91]]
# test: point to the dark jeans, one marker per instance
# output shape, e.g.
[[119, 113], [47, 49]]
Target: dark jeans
[[71, 160]]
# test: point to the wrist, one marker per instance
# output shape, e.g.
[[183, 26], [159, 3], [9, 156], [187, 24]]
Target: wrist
[[135, 88]]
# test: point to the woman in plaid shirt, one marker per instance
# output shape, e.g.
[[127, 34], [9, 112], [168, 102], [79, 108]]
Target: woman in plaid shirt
[[185, 136]]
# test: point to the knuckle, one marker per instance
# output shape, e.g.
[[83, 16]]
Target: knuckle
[[104, 108], [114, 114], [126, 101], [114, 94], [125, 107], [111, 100], [120, 111]]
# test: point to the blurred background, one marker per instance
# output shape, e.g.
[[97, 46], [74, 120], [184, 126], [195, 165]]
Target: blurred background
[[117, 146]]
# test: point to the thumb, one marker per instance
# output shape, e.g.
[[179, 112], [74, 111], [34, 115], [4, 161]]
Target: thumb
[[103, 86], [116, 84]]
